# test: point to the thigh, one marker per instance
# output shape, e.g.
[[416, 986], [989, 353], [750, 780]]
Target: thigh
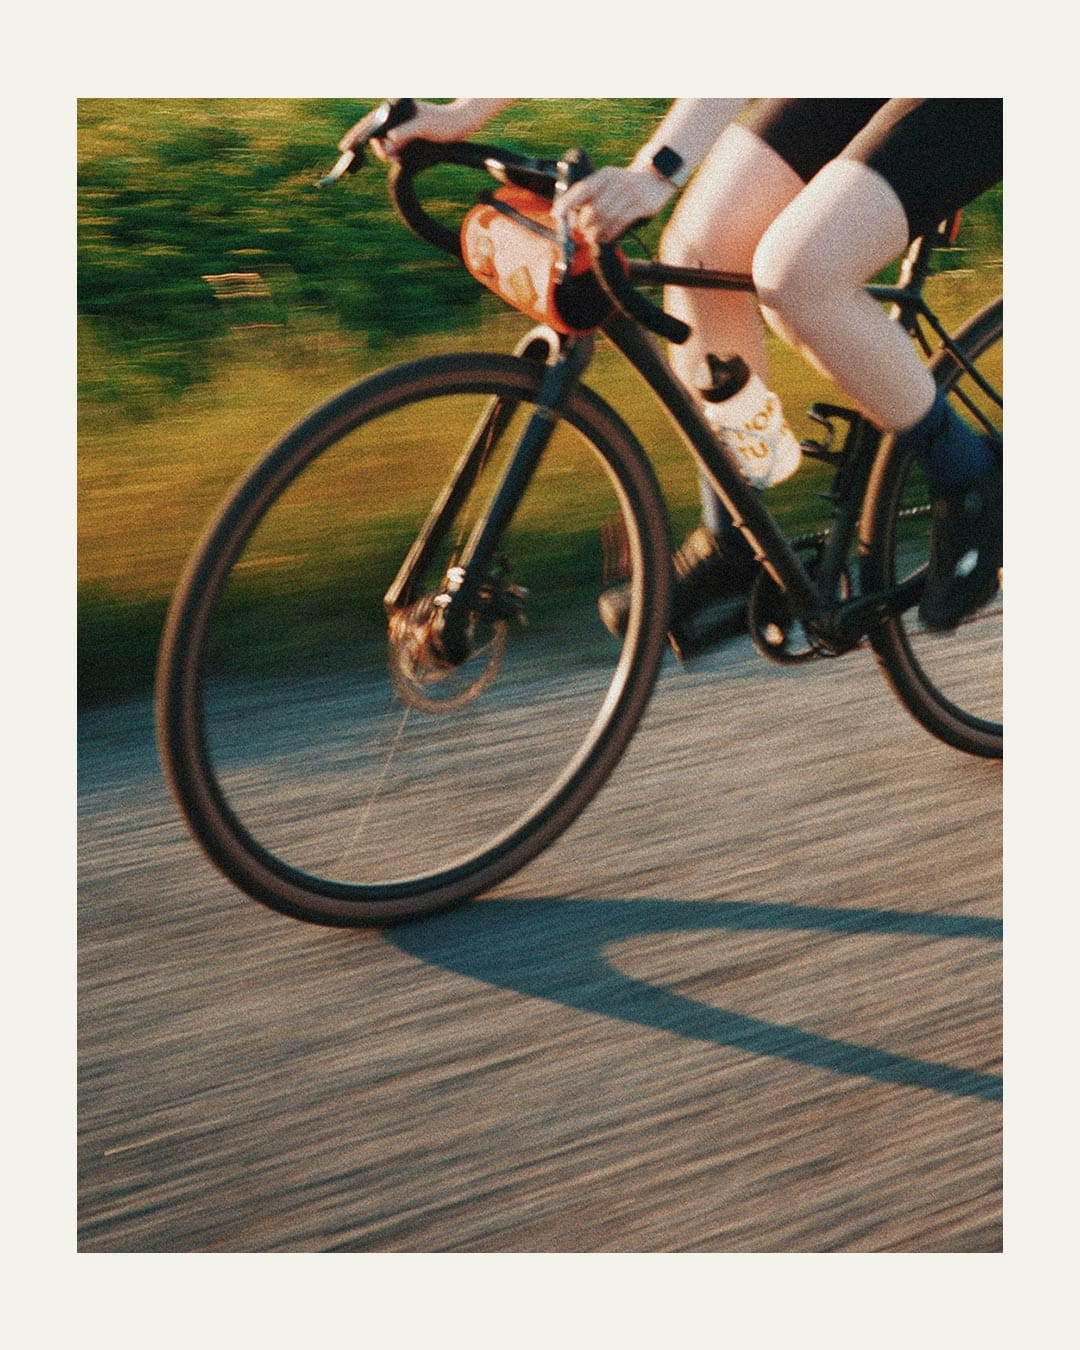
[[937, 154], [734, 196], [808, 132]]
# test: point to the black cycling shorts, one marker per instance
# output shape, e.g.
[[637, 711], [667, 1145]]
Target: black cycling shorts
[[937, 154]]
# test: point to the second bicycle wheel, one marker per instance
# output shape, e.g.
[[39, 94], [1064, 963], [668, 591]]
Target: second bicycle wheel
[[950, 682], [325, 761]]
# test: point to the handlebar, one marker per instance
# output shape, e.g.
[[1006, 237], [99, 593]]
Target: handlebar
[[546, 177], [540, 176]]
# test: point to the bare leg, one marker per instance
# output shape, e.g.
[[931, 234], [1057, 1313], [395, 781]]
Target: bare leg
[[736, 194], [810, 269]]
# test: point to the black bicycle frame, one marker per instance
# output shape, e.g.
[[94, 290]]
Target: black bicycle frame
[[837, 624]]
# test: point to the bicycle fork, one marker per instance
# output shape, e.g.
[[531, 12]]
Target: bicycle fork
[[465, 582]]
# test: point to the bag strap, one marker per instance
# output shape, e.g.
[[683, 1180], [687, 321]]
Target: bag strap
[[506, 208]]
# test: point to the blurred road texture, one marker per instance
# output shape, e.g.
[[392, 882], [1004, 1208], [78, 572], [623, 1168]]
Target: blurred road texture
[[750, 1002]]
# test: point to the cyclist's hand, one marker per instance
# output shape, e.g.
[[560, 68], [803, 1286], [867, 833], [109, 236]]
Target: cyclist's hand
[[604, 206], [433, 122]]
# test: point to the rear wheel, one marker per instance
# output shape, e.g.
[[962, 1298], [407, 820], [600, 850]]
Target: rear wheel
[[950, 682], [330, 759]]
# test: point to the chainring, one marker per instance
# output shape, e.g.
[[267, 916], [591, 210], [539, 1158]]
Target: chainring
[[774, 631]]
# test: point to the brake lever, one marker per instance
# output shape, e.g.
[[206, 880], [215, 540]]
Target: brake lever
[[388, 114], [348, 162]]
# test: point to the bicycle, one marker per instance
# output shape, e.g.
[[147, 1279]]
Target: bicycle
[[383, 684]]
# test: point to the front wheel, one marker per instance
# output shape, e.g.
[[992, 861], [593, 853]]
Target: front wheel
[[950, 682], [330, 758]]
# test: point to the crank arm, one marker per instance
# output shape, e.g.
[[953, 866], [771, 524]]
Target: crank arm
[[842, 629]]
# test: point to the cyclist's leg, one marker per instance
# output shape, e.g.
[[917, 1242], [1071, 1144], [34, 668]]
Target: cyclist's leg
[[755, 170], [736, 193], [739, 190], [914, 163], [937, 155]]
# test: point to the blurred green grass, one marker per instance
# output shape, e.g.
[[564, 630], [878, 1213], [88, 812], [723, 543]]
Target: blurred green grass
[[180, 391]]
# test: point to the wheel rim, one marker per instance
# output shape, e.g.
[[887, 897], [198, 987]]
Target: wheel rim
[[958, 674], [307, 754]]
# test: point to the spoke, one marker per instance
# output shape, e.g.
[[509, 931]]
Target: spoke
[[353, 848]]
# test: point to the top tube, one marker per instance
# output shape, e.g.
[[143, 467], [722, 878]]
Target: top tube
[[913, 271]]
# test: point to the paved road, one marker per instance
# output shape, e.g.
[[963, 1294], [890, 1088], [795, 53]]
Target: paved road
[[750, 1002]]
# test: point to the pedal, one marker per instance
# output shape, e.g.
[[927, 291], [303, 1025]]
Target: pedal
[[504, 603]]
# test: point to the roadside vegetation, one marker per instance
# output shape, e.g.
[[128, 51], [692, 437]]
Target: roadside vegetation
[[220, 296]]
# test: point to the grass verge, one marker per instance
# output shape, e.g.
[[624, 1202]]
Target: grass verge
[[147, 488]]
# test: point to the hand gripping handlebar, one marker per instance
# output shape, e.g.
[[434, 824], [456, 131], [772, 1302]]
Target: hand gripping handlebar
[[391, 113], [543, 176]]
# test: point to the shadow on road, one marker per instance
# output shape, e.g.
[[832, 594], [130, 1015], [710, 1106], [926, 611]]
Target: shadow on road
[[554, 950]]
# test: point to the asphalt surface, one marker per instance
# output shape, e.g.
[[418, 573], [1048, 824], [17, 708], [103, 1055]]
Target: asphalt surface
[[750, 1002]]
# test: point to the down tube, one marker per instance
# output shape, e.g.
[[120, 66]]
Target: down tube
[[764, 535]]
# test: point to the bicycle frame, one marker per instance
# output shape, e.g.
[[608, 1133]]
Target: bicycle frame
[[836, 625]]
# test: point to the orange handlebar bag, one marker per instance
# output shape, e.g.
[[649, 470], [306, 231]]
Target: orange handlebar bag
[[510, 245]]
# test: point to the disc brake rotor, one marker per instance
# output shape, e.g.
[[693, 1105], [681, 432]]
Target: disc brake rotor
[[426, 680]]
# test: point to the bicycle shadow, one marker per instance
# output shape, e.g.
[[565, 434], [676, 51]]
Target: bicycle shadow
[[554, 950]]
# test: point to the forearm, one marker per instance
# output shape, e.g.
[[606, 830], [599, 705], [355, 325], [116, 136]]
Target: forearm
[[470, 114], [690, 128]]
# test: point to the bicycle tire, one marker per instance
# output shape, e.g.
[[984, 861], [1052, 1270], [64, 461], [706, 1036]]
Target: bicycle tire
[[949, 682], [243, 792]]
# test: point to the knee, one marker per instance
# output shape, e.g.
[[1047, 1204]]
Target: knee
[[715, 233], [789, 284]]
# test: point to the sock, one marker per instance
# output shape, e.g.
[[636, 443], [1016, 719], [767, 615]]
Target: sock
[[715, 518], [953, 453]]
